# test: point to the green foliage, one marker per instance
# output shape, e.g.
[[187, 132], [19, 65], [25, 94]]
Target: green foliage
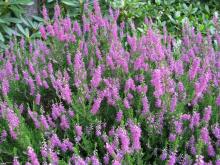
[[12, 21], [73, 8], [172, 13]]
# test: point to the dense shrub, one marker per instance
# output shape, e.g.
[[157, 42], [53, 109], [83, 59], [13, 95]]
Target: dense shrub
[[169, 13], [93, 94]]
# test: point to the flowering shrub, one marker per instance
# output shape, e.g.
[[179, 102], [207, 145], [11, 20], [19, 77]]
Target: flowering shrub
[[91, 94]]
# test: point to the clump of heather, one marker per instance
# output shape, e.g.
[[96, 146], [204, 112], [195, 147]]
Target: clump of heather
[[93, 93]]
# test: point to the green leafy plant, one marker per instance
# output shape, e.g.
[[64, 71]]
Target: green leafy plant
[[30, 27], [12, 21], [172, 13], [74, 8]]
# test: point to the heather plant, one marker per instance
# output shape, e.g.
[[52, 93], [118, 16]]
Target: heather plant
[[92, 93]]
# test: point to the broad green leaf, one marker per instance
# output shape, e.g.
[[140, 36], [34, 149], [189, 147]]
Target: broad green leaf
[[2, 46], [13, 20], [1, 37], [35, 35], [24, 21], [177, 14], [194, 10], [36, 25], [27, 32], [141, 30], [172, 1], [171, 18], [31, 23], [21, 29], [38, 18], [17, 10], [2, 21], [10, 31], [70, 3], [190, 7], [22, 2], [158, 2], [185, 7], [207, 8]]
